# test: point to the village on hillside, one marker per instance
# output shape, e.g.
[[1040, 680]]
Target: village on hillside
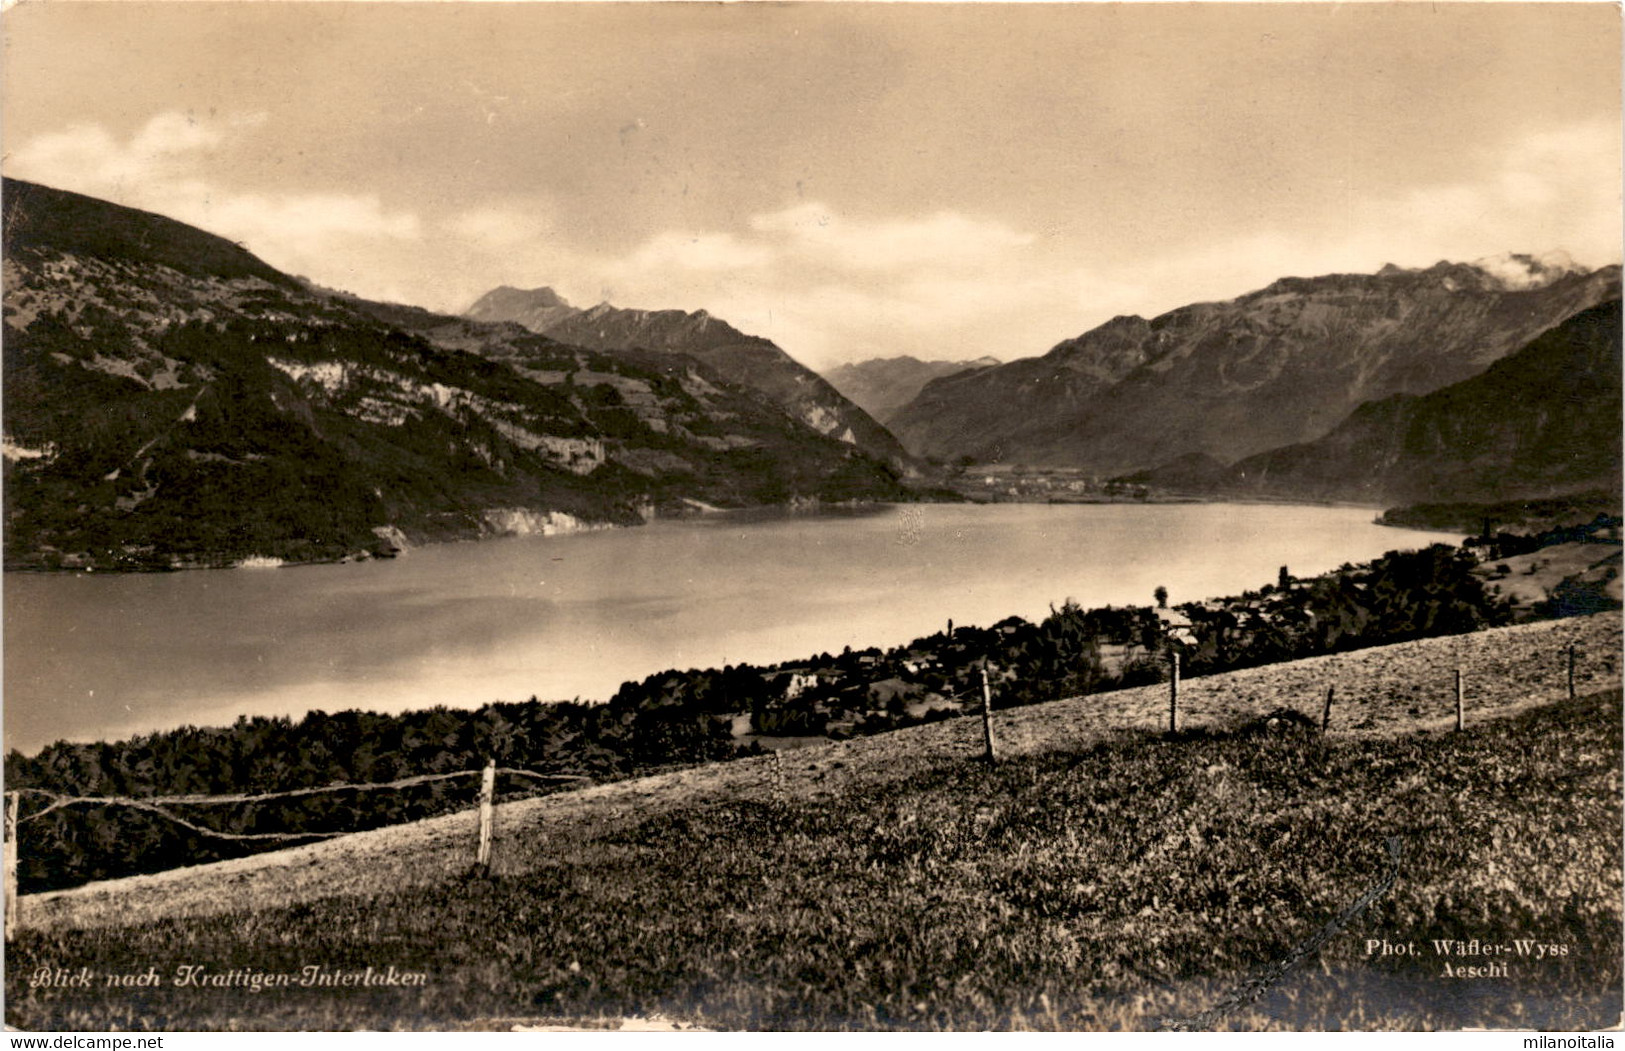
[[1491, 580]]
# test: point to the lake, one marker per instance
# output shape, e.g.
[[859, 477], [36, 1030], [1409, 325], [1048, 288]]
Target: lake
[[95, 656]]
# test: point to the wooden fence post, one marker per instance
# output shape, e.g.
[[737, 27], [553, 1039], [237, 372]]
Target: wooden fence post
[[10, 862], [1173, 691], [487, 790], [1326, 715], [1571, 671], [987, 717], [1461, 713]]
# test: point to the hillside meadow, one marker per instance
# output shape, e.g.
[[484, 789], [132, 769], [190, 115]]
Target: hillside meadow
[[1103, 875]]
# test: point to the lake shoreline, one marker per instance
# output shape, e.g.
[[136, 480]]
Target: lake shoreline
[[1509, 670], [690, 509], [400, 544], [467, 624]]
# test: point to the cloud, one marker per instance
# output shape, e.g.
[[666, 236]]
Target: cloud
[[313, 221], [500, 226], [84, 155], [1559, 187], [704, 252], [831, 284], [171, 133], [1022, 309], [818, 233], [815, 237], [88, 156], [165, 166], [828, 286], [1555, 190]]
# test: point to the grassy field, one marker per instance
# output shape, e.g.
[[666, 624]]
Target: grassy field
[[1104, 876], [1530, 579]]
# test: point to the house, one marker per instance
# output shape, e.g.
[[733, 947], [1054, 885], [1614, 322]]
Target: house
[[1176, 626], [800, 682]]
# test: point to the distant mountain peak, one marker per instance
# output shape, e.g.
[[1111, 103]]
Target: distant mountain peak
[[1521, 271], [281, 422], [1271, 368], [750, 361], [1540, 421], [543, 293], [536, 308], [1506, 272], [534, 297], [881, 386]]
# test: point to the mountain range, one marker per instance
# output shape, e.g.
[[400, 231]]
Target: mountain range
[[751, 361], [1543, 420], [1276, 367], [882, 386], [171, 400]]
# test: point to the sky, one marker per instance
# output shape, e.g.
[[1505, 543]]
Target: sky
[[851, 180]]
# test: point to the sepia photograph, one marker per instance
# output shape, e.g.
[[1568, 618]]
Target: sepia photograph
[[843, 516]]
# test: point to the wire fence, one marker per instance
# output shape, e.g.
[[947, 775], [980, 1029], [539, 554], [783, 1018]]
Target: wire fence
[[156, 805], [993, 743]]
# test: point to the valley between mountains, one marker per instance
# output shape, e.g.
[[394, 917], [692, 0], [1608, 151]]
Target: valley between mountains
[[173, 402], [812, 517]]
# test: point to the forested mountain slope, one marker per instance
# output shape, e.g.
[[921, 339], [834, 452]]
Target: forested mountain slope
[[170, 400]]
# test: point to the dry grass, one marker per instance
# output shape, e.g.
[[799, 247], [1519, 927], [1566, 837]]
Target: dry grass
[[1110, 884], [1384, 690], [1531, 578]]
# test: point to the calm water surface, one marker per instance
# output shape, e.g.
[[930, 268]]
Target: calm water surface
[[91, 656]]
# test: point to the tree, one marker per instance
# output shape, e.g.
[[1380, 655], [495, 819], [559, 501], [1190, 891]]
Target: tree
[[1162, 597]]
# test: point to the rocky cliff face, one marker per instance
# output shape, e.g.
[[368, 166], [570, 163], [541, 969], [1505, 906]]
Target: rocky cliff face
[[1278, 366], [172, 401], [749, 361], [1542, 421]]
